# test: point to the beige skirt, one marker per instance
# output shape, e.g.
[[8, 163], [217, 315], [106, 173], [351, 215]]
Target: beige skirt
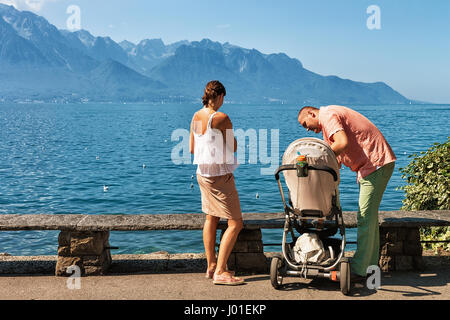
[[220, 197]]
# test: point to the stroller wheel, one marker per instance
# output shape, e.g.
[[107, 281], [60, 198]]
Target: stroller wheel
[[345, 277], [275, 275]]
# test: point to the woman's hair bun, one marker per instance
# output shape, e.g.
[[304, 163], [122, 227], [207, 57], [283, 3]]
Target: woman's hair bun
[[213, 89]]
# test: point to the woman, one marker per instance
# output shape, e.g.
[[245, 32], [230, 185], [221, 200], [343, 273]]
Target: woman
[[213, 146]]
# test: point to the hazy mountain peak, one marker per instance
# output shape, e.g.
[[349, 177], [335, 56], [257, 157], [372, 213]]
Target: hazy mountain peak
[[127, 45], [26, 23], [228, 46], [85, 37], [6, 8], [208, 44], [151, 42]]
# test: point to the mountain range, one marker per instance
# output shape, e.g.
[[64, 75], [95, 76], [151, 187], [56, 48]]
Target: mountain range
[[41, 62]]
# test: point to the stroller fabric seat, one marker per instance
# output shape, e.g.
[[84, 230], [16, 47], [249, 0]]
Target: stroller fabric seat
[[312, 195]]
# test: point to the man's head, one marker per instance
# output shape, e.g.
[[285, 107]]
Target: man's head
[[308, 117]]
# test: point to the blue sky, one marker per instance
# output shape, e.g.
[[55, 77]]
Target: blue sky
[[411, 51]]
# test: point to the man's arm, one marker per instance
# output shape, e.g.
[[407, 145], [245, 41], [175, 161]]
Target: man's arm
[[340, 142]]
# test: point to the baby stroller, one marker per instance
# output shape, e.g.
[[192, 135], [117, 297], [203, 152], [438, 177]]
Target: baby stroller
[[314, 212]]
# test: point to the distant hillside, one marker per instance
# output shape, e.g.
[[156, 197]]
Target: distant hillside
[[40, 62]]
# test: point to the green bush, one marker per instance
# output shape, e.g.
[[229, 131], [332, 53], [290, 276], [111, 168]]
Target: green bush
[[428, 188]]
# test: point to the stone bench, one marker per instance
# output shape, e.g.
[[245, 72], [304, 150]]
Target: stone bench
[[84, 239]]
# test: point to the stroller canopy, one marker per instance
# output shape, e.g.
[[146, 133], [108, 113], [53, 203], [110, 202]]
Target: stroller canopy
[[314, 192]]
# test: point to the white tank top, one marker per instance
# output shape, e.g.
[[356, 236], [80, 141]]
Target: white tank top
[[212, 156]]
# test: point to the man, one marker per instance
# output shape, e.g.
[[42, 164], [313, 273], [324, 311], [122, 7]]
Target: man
[[359, 145]]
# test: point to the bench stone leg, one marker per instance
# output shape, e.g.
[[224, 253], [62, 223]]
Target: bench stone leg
[[87, 250], [400, 249], [248, 252]]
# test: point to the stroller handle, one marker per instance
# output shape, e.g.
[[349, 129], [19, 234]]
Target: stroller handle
[[294, 167]]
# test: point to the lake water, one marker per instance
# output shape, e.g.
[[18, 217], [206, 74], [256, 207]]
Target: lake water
[[57, 158]]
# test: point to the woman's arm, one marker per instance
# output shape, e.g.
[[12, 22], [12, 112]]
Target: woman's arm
[[191, 138], [228, 128]]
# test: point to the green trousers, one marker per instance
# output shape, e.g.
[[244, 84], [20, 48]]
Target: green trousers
[[371, 189]]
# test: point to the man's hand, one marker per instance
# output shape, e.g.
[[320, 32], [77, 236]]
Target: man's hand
[[340, 142]]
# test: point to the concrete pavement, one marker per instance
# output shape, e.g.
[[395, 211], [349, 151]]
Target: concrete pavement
[[432, 284], [127, 284]]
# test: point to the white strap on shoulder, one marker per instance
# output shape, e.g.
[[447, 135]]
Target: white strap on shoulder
[[210, 120]]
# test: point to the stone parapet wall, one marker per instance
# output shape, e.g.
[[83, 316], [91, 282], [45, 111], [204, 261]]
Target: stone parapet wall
[[400, 249], [248, 252], [83, 241], [87, 250]]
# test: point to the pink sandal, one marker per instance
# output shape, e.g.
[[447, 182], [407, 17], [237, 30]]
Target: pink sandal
[[210, 273], [227, 279]]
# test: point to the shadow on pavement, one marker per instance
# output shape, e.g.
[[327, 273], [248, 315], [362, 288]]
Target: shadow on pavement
[[415, 284], [408, 283]]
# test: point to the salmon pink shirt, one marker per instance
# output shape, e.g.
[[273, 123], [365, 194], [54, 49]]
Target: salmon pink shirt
[[367, 148]]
